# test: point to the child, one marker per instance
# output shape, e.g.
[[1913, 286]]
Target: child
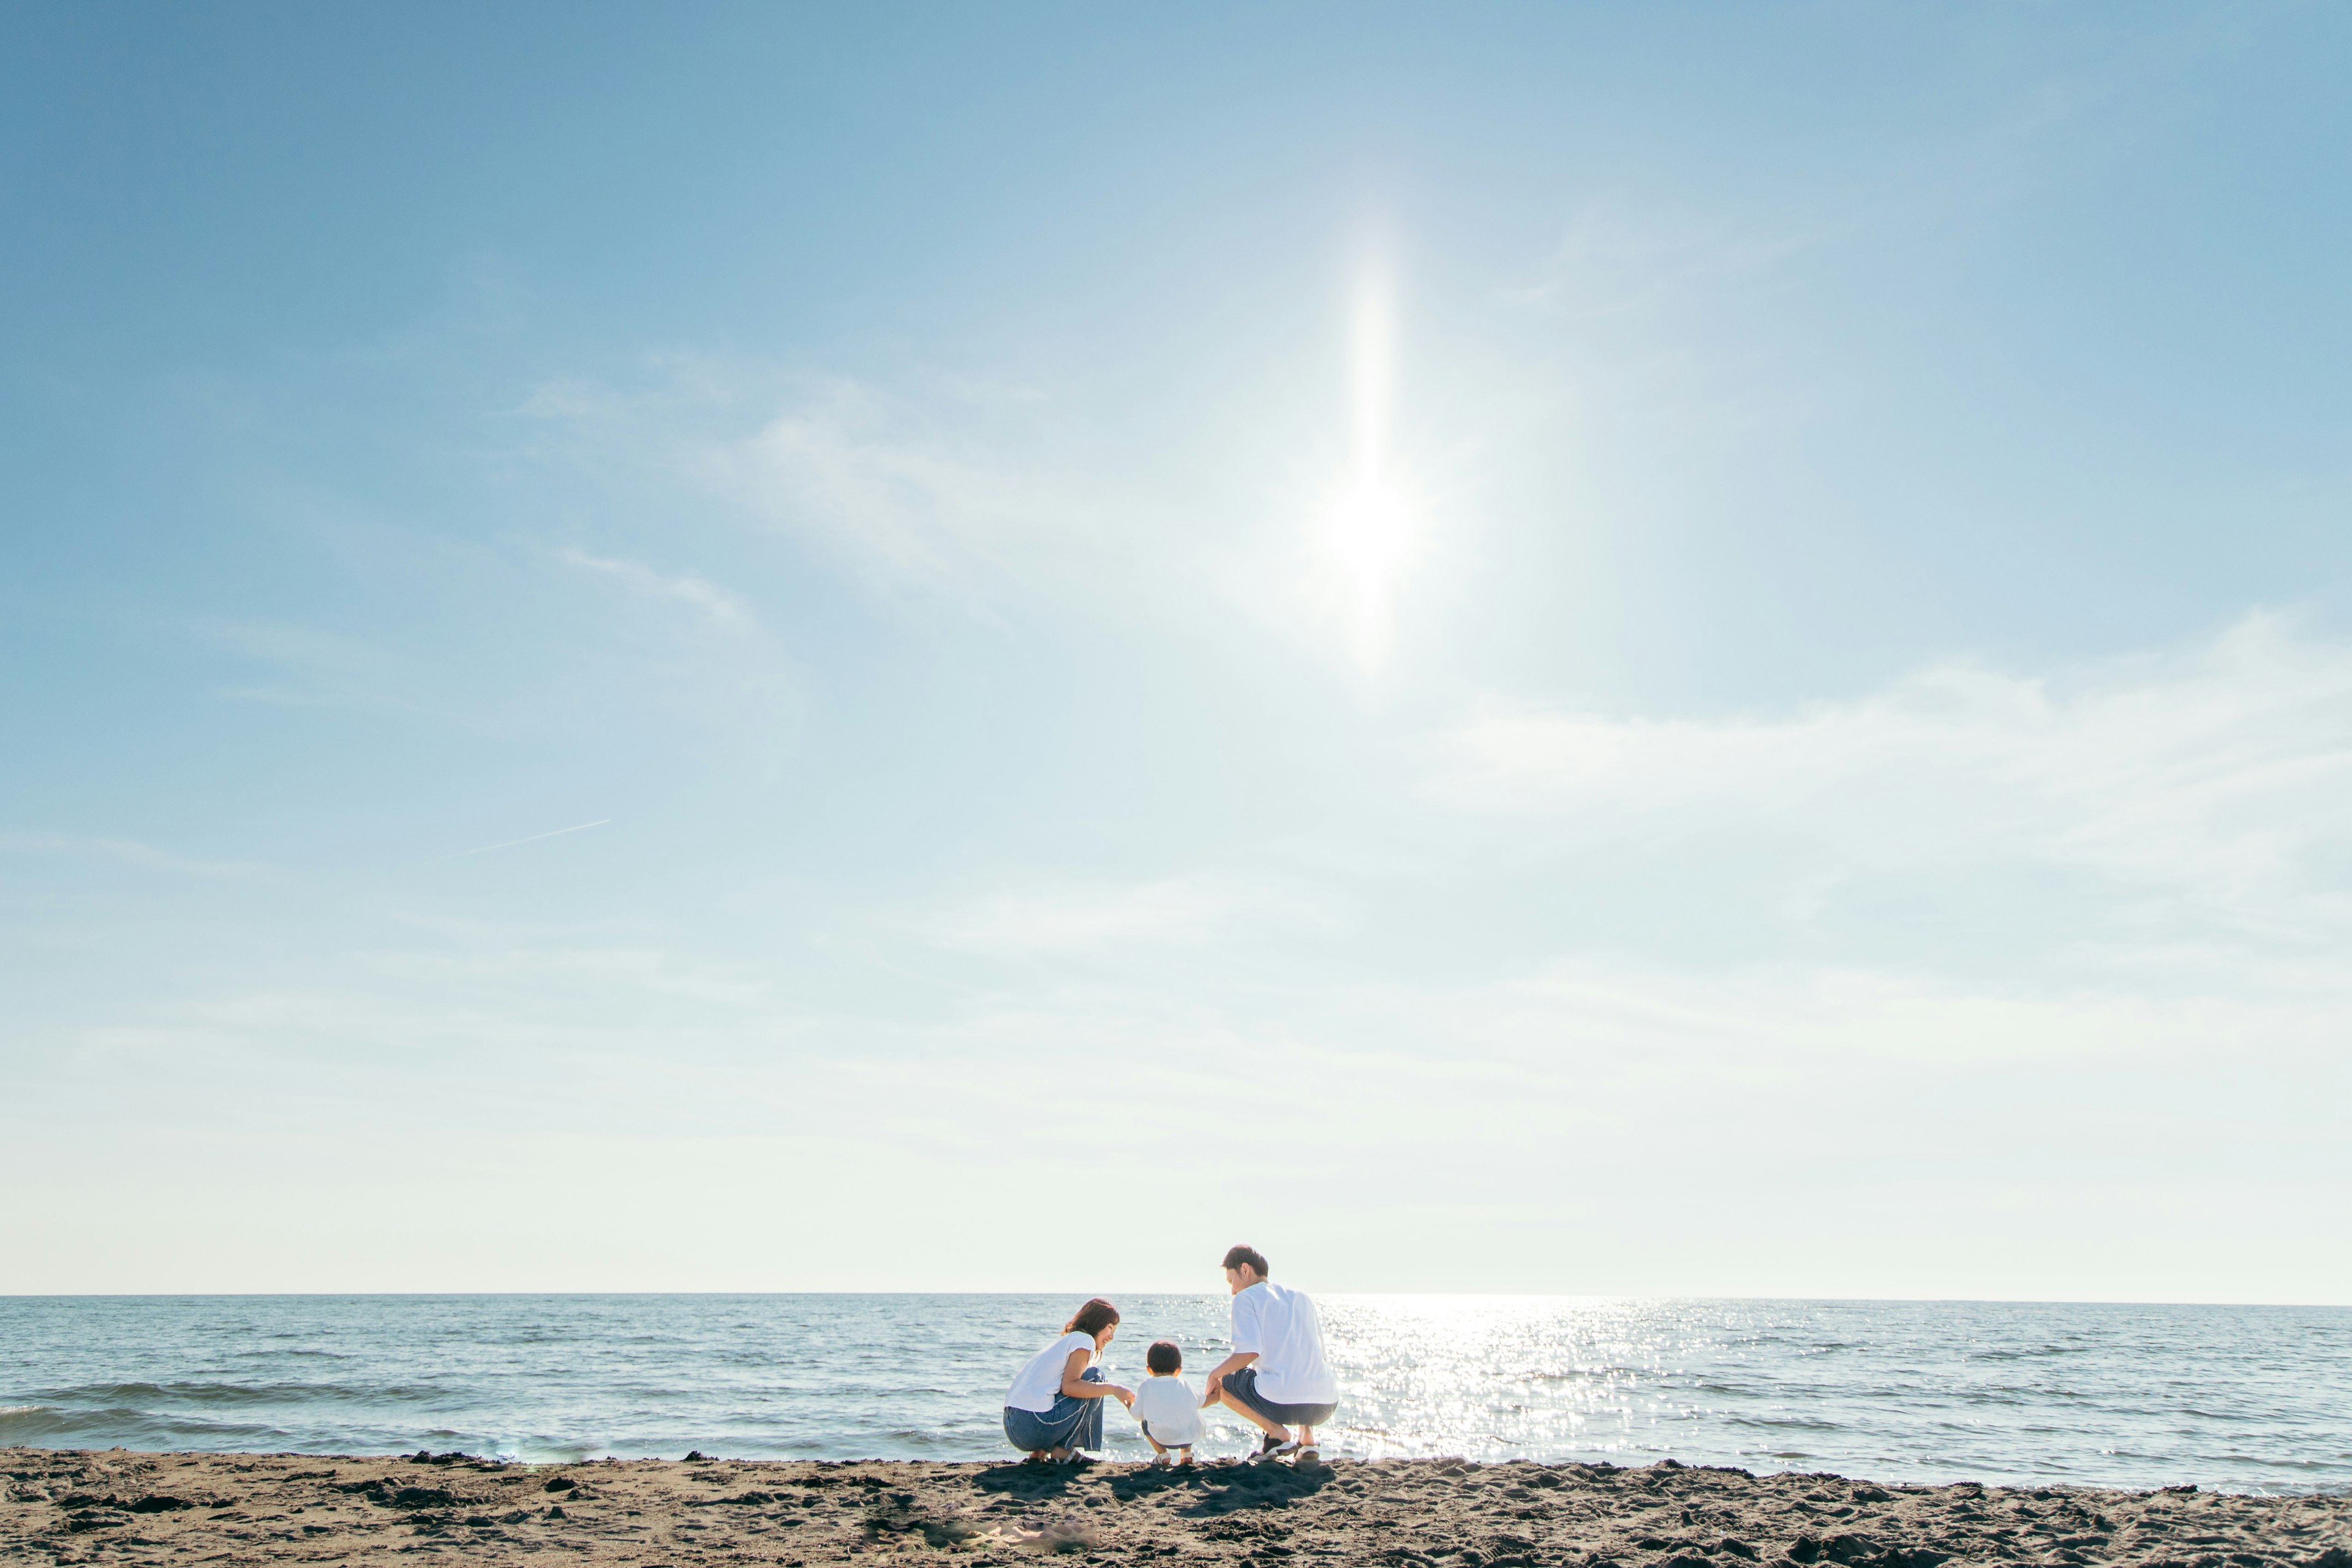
[[1166, 1405]]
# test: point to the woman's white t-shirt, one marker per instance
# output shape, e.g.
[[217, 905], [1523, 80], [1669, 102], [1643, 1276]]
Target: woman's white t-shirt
[[1039, 1384]]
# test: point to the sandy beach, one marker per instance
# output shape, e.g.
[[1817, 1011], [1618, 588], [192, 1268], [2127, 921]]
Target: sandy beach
[[122, 1507]]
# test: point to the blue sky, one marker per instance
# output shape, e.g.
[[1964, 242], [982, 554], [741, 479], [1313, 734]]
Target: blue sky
[[1613, 649]]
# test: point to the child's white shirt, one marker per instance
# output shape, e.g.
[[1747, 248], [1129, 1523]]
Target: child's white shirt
[[1172, 1409]]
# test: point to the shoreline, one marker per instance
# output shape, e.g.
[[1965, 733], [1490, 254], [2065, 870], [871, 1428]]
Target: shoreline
[[118, 1506]]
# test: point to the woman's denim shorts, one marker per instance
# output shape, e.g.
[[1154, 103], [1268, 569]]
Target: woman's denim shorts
[[1073, 1423]]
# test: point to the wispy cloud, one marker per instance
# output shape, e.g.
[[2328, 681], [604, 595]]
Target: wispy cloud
[[1042, 918], [1616, 260], [127, 851], [2219, 779], [914, 495], [319, 668], [715, 602], [535, 837], [955, 490]]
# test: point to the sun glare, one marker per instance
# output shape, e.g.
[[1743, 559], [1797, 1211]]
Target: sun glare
[[1365, 530]]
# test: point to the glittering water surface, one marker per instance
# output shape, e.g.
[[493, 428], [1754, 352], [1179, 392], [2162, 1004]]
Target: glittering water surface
[[2241, 1398]]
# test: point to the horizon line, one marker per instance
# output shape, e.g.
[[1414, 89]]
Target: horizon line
[[1603, 1296]]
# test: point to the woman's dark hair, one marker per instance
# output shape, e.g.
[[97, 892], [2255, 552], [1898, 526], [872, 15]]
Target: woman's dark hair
[[1163, 1358], [1092, 1319], [1236, 1257]]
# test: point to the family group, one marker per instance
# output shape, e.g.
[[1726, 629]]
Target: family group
[[1275, 1378]]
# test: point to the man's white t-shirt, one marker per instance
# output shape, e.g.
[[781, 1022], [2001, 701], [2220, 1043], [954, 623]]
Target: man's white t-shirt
[[1281, 1326], [1039, 1384], [1170, 1408]]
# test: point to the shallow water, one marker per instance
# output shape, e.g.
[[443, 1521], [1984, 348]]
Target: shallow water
[[2249, 1398]]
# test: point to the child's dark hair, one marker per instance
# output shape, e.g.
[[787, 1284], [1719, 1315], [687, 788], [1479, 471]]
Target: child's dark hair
[[1163, 1358]]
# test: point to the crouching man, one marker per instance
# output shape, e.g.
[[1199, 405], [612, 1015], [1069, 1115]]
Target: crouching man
[[1276, 1377]]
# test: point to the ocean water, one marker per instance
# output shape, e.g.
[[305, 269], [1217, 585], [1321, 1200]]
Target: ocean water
[[2245, 1399]]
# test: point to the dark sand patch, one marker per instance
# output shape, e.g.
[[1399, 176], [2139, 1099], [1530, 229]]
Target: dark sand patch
[[119, 1506]]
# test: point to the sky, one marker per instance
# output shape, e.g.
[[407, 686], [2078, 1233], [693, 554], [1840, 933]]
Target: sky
[[1595, 650]]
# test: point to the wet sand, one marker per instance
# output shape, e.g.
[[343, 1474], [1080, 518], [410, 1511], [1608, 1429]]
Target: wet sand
[[120, 1507]]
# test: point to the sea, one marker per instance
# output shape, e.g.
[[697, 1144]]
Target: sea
[[2250, 1399]]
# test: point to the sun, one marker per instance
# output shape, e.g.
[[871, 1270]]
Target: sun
[[1366, 537], [1366, 531]]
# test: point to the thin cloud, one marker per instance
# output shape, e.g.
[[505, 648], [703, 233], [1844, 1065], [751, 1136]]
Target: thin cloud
[[533, 838], [2217, 781], [128, 851], [713, 602], [1071, 918], [882, 481], [942, 489], [320, 668], [1615, 261]]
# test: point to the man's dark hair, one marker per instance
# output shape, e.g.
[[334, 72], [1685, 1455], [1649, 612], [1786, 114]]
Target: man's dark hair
[[1163, 1358], [1237, 1256]]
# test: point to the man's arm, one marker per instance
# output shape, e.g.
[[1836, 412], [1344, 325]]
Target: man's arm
[[1231, 1364]]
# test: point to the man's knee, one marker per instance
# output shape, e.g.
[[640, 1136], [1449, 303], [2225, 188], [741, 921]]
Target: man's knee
[[1233, 1402]]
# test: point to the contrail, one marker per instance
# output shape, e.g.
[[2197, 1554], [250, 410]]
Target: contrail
[[535, 837]]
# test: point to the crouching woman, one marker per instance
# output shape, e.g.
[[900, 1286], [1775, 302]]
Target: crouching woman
[[1053, 1410]]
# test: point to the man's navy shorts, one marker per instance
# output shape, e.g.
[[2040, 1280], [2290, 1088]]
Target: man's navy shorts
[[1244, 1385]]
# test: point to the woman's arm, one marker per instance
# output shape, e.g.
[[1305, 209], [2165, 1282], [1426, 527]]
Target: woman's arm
[[1075, 1383]]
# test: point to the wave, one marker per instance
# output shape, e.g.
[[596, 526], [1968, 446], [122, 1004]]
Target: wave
[[246, 1394], [47, 1425]]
